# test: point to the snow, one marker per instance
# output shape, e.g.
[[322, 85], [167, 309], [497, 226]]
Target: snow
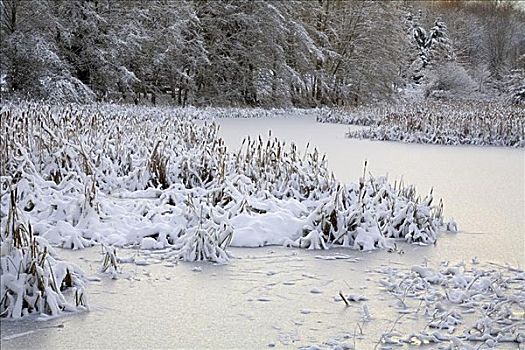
[[434, 310], [148, 243], [259, 230], [458, 297]]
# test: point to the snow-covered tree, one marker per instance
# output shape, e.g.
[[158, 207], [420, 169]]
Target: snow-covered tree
[[31, 63], [438, 45], [239, 52]]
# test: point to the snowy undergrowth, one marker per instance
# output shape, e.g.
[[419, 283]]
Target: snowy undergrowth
[[129, 176], [437, 123], [32, 280]]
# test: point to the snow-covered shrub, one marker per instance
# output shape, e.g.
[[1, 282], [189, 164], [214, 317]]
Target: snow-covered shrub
[[518, 95], [515, 85], [66, 89], [450, 81]]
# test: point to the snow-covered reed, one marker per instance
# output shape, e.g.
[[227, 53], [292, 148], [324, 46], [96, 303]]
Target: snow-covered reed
[[437, 123], [365, 115], [32, 280], [362, 216], [445, 306], [156, 179], [462, 304]]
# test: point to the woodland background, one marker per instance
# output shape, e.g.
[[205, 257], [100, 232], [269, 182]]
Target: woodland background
[[261, 53]]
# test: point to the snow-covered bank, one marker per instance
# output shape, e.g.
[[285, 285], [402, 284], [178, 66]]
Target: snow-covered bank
[[493, 124]]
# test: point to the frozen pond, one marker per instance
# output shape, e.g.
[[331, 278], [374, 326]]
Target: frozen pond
[[483, 188], [282, 297]]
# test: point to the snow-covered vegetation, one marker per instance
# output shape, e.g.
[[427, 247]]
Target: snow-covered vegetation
[[32, 279], [437, 123], [367, 115], [462, 304], [128, 177]]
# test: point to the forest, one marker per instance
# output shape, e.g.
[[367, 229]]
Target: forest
[[261, 53]]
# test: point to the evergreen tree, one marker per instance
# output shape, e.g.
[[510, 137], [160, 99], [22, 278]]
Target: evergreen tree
[[438, 46], [417, 48]]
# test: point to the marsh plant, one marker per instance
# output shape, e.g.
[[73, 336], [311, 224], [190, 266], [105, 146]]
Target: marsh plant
[[460, 304], [156, 178], [444, 123], [33, 280], [110, 261]]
